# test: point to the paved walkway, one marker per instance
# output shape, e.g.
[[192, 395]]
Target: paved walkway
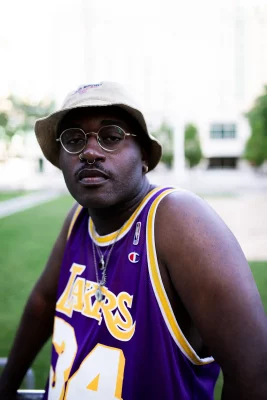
[[21, 203], [208, 182], [246, 216]]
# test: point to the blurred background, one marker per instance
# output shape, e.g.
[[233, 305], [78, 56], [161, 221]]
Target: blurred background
[[199, 71]]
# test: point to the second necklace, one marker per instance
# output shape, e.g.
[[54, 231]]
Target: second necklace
[[103, 265]]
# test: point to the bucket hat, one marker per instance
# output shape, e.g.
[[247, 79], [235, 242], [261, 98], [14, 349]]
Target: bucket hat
[[93, 95]]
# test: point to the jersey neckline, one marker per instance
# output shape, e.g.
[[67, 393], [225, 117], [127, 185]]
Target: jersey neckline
[[106, 240]]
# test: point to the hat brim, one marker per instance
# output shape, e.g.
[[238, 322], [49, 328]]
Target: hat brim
[[46, 133]]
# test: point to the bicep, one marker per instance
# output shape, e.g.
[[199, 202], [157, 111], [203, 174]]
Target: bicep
[[214, 281]]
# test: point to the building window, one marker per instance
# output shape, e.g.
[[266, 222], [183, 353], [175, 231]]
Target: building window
[[222, 162], [223, 131]]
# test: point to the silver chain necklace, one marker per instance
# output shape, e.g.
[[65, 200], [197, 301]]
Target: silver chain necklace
[[101, 257], [102, 265]]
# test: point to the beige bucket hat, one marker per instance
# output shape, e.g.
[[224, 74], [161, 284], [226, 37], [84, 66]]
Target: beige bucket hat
[[101, 94]]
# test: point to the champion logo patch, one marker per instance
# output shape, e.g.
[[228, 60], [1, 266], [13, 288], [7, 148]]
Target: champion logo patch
[[133, 257]]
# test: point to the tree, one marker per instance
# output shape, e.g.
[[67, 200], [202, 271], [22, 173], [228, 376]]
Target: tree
[[165, 135], [18, 116], [256, 146], [192, 147]]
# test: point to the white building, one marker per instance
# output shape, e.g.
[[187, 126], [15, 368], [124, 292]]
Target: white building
[[242, 72]]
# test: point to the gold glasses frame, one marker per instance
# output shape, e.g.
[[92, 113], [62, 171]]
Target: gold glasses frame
[[86, 135]]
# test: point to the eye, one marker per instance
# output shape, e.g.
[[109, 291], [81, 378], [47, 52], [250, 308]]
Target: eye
[[75, 140], [73, 137], [112, 138], [111, 135]]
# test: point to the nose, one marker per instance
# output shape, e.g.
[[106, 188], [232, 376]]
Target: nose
[[92, 151]]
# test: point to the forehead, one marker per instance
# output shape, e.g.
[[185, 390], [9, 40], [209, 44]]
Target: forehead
[[94, 117]]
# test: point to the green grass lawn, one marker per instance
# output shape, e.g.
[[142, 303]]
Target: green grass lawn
[[26, 239], [9, 195]]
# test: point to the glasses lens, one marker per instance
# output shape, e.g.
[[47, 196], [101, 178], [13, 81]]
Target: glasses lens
[[111, 137], [73, 140]]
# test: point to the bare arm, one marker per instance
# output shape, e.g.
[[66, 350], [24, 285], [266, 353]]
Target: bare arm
[[36, 324], [212, 277]]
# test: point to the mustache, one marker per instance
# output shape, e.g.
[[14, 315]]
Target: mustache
[[96, 166]]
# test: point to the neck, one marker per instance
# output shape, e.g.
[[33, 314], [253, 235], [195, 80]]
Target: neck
[[112, 218]]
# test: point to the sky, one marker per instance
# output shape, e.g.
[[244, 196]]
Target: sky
[[172, 55]]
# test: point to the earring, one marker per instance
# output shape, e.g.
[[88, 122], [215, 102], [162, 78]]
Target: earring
[[145, 169]]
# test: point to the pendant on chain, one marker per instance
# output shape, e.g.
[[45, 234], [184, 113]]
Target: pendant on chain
[[98, 294], [101, 264]]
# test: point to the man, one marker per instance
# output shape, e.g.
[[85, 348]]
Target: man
[[146, 288]]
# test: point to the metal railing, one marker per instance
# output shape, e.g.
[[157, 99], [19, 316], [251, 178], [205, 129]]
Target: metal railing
[[29, 379], [30, 394]]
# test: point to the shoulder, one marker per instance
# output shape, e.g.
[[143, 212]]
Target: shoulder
[[181, 211], [180, 203], [186, 226]]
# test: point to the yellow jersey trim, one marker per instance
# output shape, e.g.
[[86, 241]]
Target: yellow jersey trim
[[108, 239], [74, 218], [159, 289]]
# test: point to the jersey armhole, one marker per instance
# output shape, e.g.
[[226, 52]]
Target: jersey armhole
[[159, 290]]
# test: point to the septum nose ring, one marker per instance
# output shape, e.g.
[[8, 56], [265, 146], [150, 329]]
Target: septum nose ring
[[82, 159]]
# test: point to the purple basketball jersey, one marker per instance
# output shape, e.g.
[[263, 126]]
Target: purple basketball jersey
[[128, 346]]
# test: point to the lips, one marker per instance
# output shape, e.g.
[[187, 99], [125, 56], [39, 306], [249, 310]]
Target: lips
[[92, 176]]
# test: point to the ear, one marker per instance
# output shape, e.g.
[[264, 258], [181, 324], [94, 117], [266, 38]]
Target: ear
[[144, 161], [145, 168]]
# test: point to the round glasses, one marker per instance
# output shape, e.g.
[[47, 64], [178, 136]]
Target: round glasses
[[109, 138]]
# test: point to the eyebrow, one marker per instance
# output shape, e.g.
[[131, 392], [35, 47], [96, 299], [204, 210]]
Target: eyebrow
[[104, 122], [112, 122]]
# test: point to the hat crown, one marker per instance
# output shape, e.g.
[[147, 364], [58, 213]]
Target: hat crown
[[103, 93]]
